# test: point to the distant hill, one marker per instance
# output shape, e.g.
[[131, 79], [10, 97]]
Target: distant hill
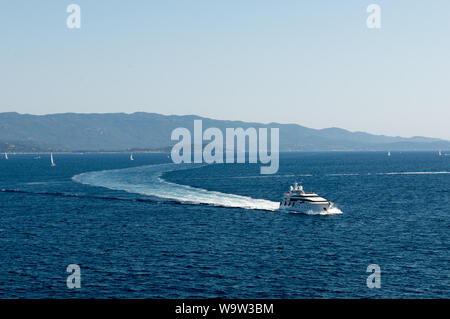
[[150, 131]]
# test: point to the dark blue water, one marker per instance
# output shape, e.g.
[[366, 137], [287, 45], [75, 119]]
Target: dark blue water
[[133, 239]]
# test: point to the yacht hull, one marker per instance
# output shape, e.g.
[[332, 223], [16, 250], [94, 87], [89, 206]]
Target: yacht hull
[[305, 207]]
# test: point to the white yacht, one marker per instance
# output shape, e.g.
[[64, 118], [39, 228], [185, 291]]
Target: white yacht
[[131, 157], [298, 200]]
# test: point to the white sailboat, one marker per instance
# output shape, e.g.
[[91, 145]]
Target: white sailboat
[[6, 155], [51, 160], [389, 153], [440, 153], [131, 157]]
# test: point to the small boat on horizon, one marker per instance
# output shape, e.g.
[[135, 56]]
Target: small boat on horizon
[[6, 155], [131, 157], [389, 154], [51, 160]]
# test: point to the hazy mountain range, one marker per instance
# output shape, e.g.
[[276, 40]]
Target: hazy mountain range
[[150, 131]]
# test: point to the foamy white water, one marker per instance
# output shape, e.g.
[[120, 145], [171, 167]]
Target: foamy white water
[[146, 180], [344, 174], [332, 211], [390, 173], [414, 173]]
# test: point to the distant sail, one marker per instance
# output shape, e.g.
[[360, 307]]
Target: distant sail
[[131, 157], [51, 160], [440, 153], [6, 155], [389, 153]]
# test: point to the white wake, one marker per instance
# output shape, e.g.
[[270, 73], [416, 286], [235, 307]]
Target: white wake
[[146, 180]]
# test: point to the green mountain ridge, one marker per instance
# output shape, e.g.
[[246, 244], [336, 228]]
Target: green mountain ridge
[[150, 131]]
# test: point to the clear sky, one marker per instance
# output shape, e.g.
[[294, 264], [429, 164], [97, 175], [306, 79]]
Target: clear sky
[[313, 63]]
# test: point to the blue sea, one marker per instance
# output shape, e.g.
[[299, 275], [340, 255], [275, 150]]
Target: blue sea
[[149, 228]]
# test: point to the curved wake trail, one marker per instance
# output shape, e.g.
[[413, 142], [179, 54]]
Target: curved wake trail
[[146, 180]]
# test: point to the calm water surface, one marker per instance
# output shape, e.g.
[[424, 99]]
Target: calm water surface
[[151, 229]]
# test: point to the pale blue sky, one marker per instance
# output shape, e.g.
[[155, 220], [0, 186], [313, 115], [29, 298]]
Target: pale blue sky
[[314, 63]]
